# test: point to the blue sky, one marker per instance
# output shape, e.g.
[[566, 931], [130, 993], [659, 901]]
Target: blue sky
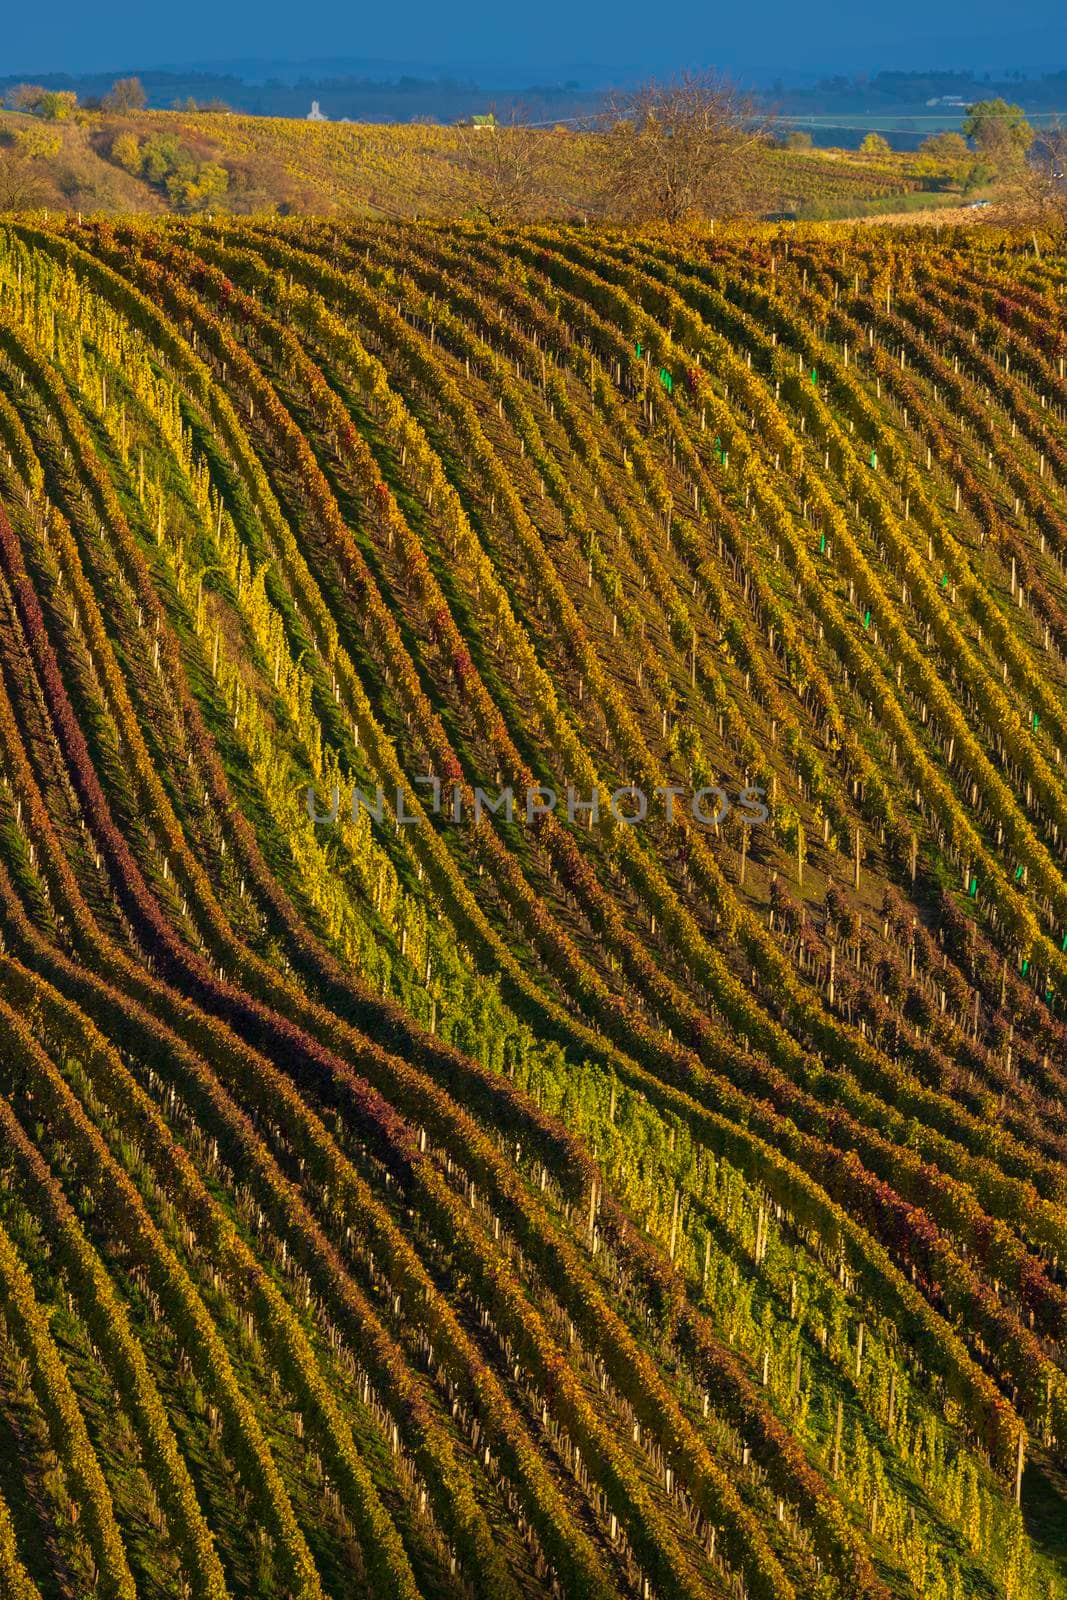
[[636, 35]]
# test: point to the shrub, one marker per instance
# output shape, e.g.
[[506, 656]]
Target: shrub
[[126, 152], [35, 144], [57, 104]]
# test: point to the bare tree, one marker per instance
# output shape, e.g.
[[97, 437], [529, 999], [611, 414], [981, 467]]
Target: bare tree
[[1040, 191], [125, 95], [690, 148], [24, 96], [505, 165], [23, 186]]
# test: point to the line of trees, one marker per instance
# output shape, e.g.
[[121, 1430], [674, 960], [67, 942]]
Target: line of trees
[[125, 96]]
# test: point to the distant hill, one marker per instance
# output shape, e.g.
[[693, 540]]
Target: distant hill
[[156, 161]]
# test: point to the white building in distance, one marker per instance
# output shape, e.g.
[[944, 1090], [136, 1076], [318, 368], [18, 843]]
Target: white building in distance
[[315, 115]]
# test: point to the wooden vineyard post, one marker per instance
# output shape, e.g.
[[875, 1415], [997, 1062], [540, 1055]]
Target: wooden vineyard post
[[1020, 1466], [856, 861], [744, 853], [835, 1464]]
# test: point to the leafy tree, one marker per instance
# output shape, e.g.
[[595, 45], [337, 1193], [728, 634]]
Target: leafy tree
[[948, 147], [126, 95], [126, 152], [875, 145], [160, 156], [198, 187], [1001, 135], [685, 149], [798, 139]]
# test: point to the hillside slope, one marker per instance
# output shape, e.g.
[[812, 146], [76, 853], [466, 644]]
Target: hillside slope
[[449, 1205], [204, 161]]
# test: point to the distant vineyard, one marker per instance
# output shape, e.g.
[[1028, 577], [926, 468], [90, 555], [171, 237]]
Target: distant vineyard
[[204, 161], [419, 169], [447, 1205]]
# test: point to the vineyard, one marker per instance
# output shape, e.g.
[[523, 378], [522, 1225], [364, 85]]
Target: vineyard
[[101, 163], [403, 1199]]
